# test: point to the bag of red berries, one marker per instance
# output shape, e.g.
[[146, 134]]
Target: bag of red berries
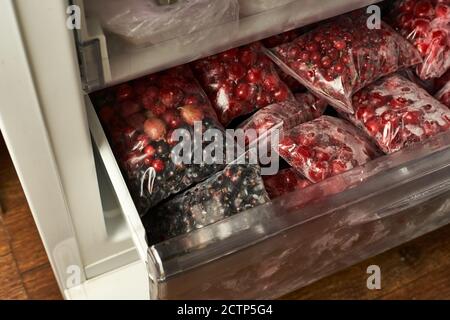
[[240, 81], [444, 95], [236, 189], [140, 118], [397, 113], [325, 147], [342, 56], [284, 115], [286, 181], [426, 24]]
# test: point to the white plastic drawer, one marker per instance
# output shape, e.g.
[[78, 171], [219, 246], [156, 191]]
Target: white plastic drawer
[[277, 248]]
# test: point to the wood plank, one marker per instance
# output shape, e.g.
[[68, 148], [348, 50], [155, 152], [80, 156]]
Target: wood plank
[[4, 240], [400, 267], [41, 284], [24, 238], [11, 286]]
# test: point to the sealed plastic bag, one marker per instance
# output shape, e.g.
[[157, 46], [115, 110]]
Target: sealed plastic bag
[[240, 81], [326, 147], [286, 181], [145, 22], [238, 188], [444, 95], [140, 117], [426, 24], [397, 113], [340, 57], [285, 115]]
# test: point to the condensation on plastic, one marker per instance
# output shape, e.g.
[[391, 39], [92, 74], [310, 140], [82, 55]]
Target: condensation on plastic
[[325, 147], [240, 81], [342, 56], [397, 113], [238, 188], [444, 95], [251, 7], [139, 118], [145, 22], [285, 181], [426, 24], [285, 115], [270, 251]]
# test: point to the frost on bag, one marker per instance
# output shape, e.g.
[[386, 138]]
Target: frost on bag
[[342, 56], [284, 115], [286, 181], [238, 188], [397, 113], [426, 24], [326, 147], [140, 117], [240, 81], [444, 95], [146, 22]]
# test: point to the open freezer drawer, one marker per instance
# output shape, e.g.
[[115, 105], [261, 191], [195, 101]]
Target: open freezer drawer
[[277, 248]]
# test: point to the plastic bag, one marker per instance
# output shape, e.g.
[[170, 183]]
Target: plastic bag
[[238, 188], [340, 57], [396, 113], [251, 7], [426, 24], [285, 115], [286, 181], [145, 22], [326, 147], [240, 81], [444, 95], [140, 117]]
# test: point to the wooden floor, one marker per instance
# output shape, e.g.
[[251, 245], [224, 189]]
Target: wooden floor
[[417, 270]]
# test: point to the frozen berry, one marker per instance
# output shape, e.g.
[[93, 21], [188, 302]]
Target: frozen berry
[[155, 129]]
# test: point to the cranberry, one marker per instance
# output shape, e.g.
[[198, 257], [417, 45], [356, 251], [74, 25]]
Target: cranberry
[[150, 97], [172, 119], [171, 96], [340, 44], [236, 71], [127, 108], [423, 8], [254, 75], [243, 91], [158, 165], [124, 92]]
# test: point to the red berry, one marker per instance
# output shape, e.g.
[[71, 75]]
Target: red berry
[[229, 54], [248, 57], [155, 129], [150, 97], [150, 151], [171, 97], [326, 62], [254, 75], [192, 100], [124, 92], [243, 91], [128, 108], [282, 94], [270, 82], [106, 114], [172, 119], [312, 47], [236, 71], [340, 44], [423, 9], [158, 165], [442, 10]]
